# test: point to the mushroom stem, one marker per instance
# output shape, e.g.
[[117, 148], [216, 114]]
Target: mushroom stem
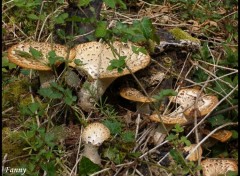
[[91, 152], [89, 96], [46, 77]]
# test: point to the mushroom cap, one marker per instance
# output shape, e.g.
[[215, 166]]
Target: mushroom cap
[[222, 135], [196, 154], [95, 134], [186, 97], [205, 105], [95, 57], [175, 117], [212, 167], [44, 48], [135, 95]]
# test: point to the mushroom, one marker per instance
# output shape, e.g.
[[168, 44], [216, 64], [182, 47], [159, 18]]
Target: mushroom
[[187, 97], [136, 96], [222, 135], [196, 154], [93, 136], [215, 166], [20, 55], [95, 58]]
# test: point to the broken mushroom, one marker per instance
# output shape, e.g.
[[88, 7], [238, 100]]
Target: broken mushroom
[[20, 54], [93, 136], [95, 58], [136, 96], [221, 135], [215, 166]]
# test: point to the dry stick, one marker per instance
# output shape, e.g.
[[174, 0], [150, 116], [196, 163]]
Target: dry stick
[[224, 110], [206, 137], [38, 22]]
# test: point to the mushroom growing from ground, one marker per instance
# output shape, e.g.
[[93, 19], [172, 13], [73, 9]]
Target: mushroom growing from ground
[[93, 136], [215, 166], [95, 58], [136, 96], [20, 54]]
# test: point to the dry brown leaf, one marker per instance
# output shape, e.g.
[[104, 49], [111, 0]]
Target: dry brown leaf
[[221, 11]]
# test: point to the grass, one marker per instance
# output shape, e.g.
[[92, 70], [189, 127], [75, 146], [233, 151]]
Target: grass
[[42, 127]]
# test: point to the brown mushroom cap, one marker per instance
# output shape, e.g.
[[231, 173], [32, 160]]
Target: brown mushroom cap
[[95, 134], [196, 154], [95, 57], [222, 135], [176, 117], [134, 95], [212, 167], [205, 105], [43, 47]]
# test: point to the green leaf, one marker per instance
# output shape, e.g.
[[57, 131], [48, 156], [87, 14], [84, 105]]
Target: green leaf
[[68, 97], [60, 19], [83, 3], [217, 120], [114, 155], [178, 157], [178, 129], [128, 136], [35, 53], [53, 58], [33, 16], [113, 125], [101, 29], [185, 141], [171, 137], [118, 64], [234, 134], [138, 50], [49, 167], [232, 173], [50, 93], [49, 139], [164, 93], [87, 167]]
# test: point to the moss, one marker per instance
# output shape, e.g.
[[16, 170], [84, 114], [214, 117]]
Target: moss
[[179, 34], [12, 145]]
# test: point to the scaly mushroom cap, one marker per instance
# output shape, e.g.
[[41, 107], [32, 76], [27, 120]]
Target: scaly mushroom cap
[[205, 105], [186, 97], [134, 95], [222, 135], [175, 117], [214, 167], [95, 134], [95, 57], [15, 55], [196, 154]]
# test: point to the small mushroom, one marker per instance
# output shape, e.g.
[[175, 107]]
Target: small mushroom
[[95, 58], [215, 166], [93, 136], [222, 135], [20, 55], [136, 96], [196, 154]]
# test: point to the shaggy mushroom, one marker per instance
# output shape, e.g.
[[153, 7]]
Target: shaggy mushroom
[[136, 96], [95, 57], [187, 97], [215, 167], [93, 136], [196, 154], [20, 54]]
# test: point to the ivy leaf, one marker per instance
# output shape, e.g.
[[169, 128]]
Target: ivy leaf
[[101, 29], [87, 167]]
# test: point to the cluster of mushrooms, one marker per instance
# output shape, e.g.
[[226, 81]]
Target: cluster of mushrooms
[[95, 57]]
